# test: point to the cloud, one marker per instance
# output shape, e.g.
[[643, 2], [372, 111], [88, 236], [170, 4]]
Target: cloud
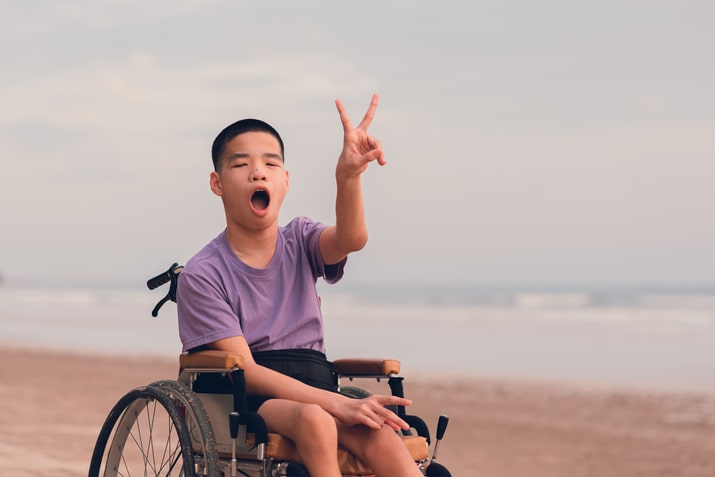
[[524, 141]]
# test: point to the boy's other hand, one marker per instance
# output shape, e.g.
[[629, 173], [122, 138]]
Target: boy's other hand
[[371, 412], [359, 148]]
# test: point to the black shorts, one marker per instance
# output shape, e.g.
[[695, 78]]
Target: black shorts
[[306, 365]]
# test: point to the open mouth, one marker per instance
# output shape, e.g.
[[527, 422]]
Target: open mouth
[[260, 199]]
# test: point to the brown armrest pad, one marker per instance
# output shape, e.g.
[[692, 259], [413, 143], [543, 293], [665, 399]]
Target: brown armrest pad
[[210, 359], [366, 366]]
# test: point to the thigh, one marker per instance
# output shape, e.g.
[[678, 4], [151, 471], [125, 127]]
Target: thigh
[[372, 446], [293, 419]]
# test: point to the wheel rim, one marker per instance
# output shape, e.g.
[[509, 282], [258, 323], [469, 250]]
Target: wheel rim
[[197, 425], [149, 438]]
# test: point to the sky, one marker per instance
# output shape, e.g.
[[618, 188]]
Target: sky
[[547, 144]]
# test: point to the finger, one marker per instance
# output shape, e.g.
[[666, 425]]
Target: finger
[[383, 400], [394, 426], [393, 420], [373, 155], [373, 421], [347, 125], [389, 417], [376, 145], [370, 114]]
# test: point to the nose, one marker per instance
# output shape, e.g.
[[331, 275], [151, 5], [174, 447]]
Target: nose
[[258, 175]]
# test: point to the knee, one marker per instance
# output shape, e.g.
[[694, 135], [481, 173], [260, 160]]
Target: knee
[[380, 442], [315, 424], [374, 446]]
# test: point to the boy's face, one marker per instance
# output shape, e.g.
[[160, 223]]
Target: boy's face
[[252, 181]]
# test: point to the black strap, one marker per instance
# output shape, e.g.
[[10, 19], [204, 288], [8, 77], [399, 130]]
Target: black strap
[[306, 365]]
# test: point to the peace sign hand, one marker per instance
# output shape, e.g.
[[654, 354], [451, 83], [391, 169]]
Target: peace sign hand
[[359, 148]]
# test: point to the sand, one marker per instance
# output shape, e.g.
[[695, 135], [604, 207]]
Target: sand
[[56, 402]]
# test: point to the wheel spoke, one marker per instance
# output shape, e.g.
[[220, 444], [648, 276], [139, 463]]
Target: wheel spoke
[[146, 433]]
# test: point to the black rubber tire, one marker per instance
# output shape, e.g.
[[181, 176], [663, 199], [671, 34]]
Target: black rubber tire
[[143, 435], [198, 425], [437, 470]]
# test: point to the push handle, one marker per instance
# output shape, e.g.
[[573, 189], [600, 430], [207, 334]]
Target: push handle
[[164, 277], [171, 275]]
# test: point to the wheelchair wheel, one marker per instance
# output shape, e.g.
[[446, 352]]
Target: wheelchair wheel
[[354, 392], [144, 435], [198, 424]]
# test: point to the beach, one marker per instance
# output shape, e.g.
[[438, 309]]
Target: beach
[[56, 402]]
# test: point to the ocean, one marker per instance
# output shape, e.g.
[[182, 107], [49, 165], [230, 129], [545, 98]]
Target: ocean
[[661, 340]]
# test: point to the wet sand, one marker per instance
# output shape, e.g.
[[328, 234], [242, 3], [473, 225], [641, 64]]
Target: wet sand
[[55, 403]]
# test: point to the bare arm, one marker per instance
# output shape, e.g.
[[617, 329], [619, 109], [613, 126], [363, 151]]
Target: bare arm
[[349, 233], [264, 381]]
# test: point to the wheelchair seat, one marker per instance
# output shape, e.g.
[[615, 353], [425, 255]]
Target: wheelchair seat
[[200, 425], [278, 447]]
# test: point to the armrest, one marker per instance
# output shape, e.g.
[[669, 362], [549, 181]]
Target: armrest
[[366, 366], [210, 359]]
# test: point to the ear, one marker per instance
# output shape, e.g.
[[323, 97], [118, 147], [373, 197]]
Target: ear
[[287, 181], [215, 184]]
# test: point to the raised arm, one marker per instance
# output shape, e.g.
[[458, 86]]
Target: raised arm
[[349, 233]]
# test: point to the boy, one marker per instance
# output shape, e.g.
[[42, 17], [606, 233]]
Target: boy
[[251, 291]]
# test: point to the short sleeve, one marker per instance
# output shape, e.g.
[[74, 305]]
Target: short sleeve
[[311, 238], [204, 313]]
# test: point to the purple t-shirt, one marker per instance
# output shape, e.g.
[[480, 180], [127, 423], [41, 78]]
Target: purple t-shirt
[[276, 307]]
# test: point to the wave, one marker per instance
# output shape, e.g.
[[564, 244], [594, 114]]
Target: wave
[[665, 337]]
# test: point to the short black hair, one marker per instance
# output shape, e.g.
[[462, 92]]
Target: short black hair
[[240, 127]]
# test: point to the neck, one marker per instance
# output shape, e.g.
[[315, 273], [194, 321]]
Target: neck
[[255, 248]]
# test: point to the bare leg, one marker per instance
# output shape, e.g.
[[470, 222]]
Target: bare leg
[[313, 431], [382, 450]]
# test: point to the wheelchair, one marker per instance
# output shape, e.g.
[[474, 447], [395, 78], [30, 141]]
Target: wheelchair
[[199, 425]]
